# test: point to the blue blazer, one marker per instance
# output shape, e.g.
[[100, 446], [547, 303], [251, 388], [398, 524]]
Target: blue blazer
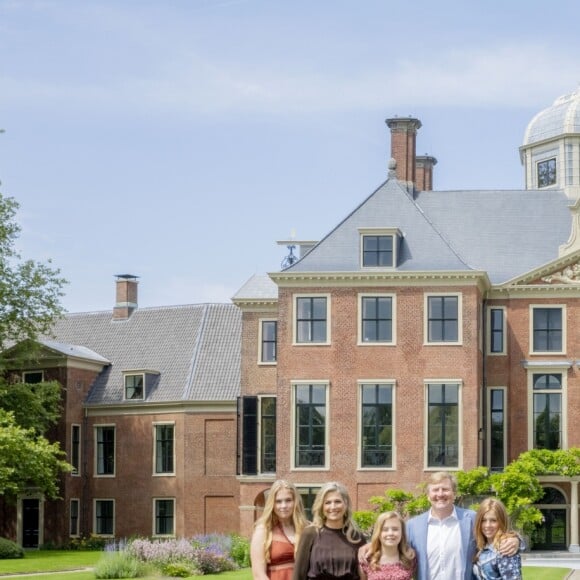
[[417, 538]]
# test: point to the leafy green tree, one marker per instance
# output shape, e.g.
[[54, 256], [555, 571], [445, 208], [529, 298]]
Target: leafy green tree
[[30, 294], [27, 460]]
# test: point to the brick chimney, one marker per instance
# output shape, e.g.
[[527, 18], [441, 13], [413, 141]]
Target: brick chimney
[[424, 172], [403, 147], [126, 301]]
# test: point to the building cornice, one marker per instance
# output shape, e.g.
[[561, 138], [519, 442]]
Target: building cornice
[[256, 304], [477, 278]]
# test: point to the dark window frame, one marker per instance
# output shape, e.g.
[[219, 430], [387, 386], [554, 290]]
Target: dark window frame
[[550, 333], [547, 410], [443, 320], [376, 416], [442, 424], [164, 518], [376, 325], [378, 250], [311, 319], [105, 450], [547, 172], [310, 422], [104, 517], [268, 341], [164, 448]]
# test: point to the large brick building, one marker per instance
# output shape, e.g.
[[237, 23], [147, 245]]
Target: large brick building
[[427, 330]]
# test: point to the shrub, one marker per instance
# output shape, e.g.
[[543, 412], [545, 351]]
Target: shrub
[[120, 565], [88, 543], [161, 552], [240, 551], [10, 550], [213, 561], [365, 520], [180, 570]]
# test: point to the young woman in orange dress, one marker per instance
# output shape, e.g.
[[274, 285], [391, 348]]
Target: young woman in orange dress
[[277, 532]]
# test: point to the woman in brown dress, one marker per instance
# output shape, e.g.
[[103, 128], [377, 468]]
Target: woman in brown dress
[[328, 548], [277, 532]]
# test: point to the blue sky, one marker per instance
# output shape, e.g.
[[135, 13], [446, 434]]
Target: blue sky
[[178, 140]]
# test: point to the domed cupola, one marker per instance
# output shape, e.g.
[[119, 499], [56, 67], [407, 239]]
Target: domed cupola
[[551, 149]]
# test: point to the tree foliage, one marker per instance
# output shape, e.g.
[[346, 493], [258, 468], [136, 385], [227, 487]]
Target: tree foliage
[[30, 294], [517, 486], [27, 460], [30, 291]]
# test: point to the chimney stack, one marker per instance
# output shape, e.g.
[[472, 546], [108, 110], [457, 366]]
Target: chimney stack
[[126, 301], [424, 172], [403, 147]]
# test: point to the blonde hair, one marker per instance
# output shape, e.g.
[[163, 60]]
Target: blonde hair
[[269, 519], [438, 476], [349, 528], [406, 553], [491, 504]]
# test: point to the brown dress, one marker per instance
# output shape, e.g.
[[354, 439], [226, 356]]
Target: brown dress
[[281, 556]]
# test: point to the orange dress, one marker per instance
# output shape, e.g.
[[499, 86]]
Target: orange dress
[[281, 563]]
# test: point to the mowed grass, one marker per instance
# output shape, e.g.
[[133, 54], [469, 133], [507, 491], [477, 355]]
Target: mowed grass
[[58, 562]]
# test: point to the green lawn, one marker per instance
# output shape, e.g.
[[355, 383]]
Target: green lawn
[[60, 561]]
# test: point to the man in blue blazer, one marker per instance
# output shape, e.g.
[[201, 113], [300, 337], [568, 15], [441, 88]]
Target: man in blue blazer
[[443, 537]]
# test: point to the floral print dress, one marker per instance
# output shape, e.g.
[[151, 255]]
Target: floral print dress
[[491, 565]]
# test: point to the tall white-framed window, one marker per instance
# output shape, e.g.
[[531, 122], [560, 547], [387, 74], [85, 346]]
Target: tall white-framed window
[[443, 419], [496, 330], [312, 319], [496, 428], [547, 328], [308, 494], [104, 517], [547, 406], [75, 449], [74, 514], [267, 341], [105, 450], [377, 424], [377, 319], [443, 318], [310, 425], [164, 517], [164, 449]]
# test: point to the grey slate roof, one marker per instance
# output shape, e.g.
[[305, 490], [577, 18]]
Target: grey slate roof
[[194, 348], [71, 350], [258, 287], [505, 233]]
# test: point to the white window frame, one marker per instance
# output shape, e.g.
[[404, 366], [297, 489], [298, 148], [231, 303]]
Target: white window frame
[[77, 501], [32, 372], [163, 424], [390, 383], [293, 442], [260, 431], [439, 381], [295, 298], [533, 307], [127, 374], [426, 296], [551, 157], [261, 322], [96, 452], [394, 233], [503, 352], [488, 422], [154, 533], [76, 473], [109, 499], [393, 297], [562, 370]]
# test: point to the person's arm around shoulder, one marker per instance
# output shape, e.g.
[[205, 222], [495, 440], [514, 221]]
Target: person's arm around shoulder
[[302, 558], [259, 566], [511, 544], [510, 567]]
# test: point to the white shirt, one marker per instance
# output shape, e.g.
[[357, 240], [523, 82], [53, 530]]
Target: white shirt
[[444, 550]]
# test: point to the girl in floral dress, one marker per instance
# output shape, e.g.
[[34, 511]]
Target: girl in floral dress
[[491, 525], [391, 558]]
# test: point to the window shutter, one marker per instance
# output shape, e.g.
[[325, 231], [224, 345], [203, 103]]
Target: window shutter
[[249, 435]]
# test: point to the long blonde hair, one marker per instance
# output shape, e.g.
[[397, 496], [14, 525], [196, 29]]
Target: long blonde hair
[[349, 528], [406, 553], [269, 519], [491, 504]]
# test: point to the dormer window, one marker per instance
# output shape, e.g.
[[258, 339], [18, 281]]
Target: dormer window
[[134, 386], [137, 384], [379, 247], [547, 172]]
